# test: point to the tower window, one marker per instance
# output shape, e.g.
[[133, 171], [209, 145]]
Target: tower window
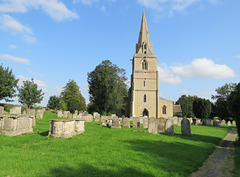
[[145, 52], [145, 46], [144, 83], [164, 110], [144, 65], [145, 98]]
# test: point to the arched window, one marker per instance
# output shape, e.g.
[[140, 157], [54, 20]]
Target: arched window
[[164, 110], [145, 98], [144, 83], [145, 65]]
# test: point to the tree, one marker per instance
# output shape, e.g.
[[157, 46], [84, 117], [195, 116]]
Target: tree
[[54, 102], [186, 103], [234, 105], [202, 108], [107, 87], [8, 84], [221, 107], [72, 97], [29, 94]]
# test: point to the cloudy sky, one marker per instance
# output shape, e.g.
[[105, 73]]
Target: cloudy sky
[[197, 42]]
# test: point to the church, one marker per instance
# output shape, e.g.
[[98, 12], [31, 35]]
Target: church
[[144, 91]]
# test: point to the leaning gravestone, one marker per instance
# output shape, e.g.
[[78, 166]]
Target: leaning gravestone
[[126, 122], [179, 121], [145, 122], [169, 127], [161, 124], [136, 122], [152, 126], [115, 123], [40, 114], [217, 123], [186, 127], [16, 110]]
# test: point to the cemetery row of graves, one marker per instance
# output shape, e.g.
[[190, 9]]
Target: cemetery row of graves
[[17, 123]]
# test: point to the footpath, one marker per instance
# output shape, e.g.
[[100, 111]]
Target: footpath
[[221, 162]]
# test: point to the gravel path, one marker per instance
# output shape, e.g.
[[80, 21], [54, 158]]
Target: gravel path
[[221, 162]]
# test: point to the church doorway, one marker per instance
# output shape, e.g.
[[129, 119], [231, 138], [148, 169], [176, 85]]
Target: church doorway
[[145, 113]]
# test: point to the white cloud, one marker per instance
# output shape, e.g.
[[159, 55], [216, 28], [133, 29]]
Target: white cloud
[[12, 46], [238, 57], [166, 76], [102, 8], [203, 68], [10, 24], [38, 82], [16, 59], [31, 72], [57, 10]]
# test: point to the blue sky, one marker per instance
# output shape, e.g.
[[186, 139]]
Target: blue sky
[[197, 42]]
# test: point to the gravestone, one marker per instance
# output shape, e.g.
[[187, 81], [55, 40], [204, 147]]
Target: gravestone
[[152, 126], [126, 122], [141, 120], [65, 114], [65, 128], [175, 120], [76, 112], [186, 127], [136, 122], [145, 122], [74, 116], [104, 121], [223, 122], [229, 123], [31, 112], [16, 110], [161, 124], [198, 121], [169, 127], [1, 110], [115, 123], [60, 114], [234, 123], [217, 122], [24, 112], [97, 117], [39, 114], [207, 122], [69, 116], [179, 121], [190, 120], [13, 125]]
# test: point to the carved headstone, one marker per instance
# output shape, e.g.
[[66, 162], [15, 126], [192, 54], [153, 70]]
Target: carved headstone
[[104, 121], [126, 122], [198, 121], [223, 122], [186, 127], [65, 114], [136, 122], [115, 123], [169, 127], [31, 112], [229, 123], [207, 122], [96, 117], [161, 123], [60, 114], [152, 126]]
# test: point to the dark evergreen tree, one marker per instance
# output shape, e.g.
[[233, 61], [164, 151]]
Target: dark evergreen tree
[[54, 102]]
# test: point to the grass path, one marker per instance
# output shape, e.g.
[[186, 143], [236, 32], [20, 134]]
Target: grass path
[[221, 162]]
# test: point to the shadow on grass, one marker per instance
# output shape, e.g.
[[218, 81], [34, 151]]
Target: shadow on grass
[[44, 133], [88, 170]]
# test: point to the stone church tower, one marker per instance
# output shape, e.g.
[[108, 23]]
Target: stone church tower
[[144, 91]]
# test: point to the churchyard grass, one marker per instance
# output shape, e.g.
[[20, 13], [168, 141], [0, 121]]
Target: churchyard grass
[[102, 151]]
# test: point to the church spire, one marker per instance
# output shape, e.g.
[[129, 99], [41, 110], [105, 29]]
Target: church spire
[[144, 45]]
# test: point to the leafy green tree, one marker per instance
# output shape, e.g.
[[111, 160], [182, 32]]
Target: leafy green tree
[[107, 88], [8, 84], [29, 94], [72, 97], [234, 106], [186, 103], [54, 102], [221, 107]]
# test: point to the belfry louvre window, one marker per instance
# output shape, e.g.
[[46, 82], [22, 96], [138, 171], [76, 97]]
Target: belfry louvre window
[[164, 110], [144, 65], [145, 98]]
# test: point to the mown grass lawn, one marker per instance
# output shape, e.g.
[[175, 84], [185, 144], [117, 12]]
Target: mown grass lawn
[[101, 151]]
